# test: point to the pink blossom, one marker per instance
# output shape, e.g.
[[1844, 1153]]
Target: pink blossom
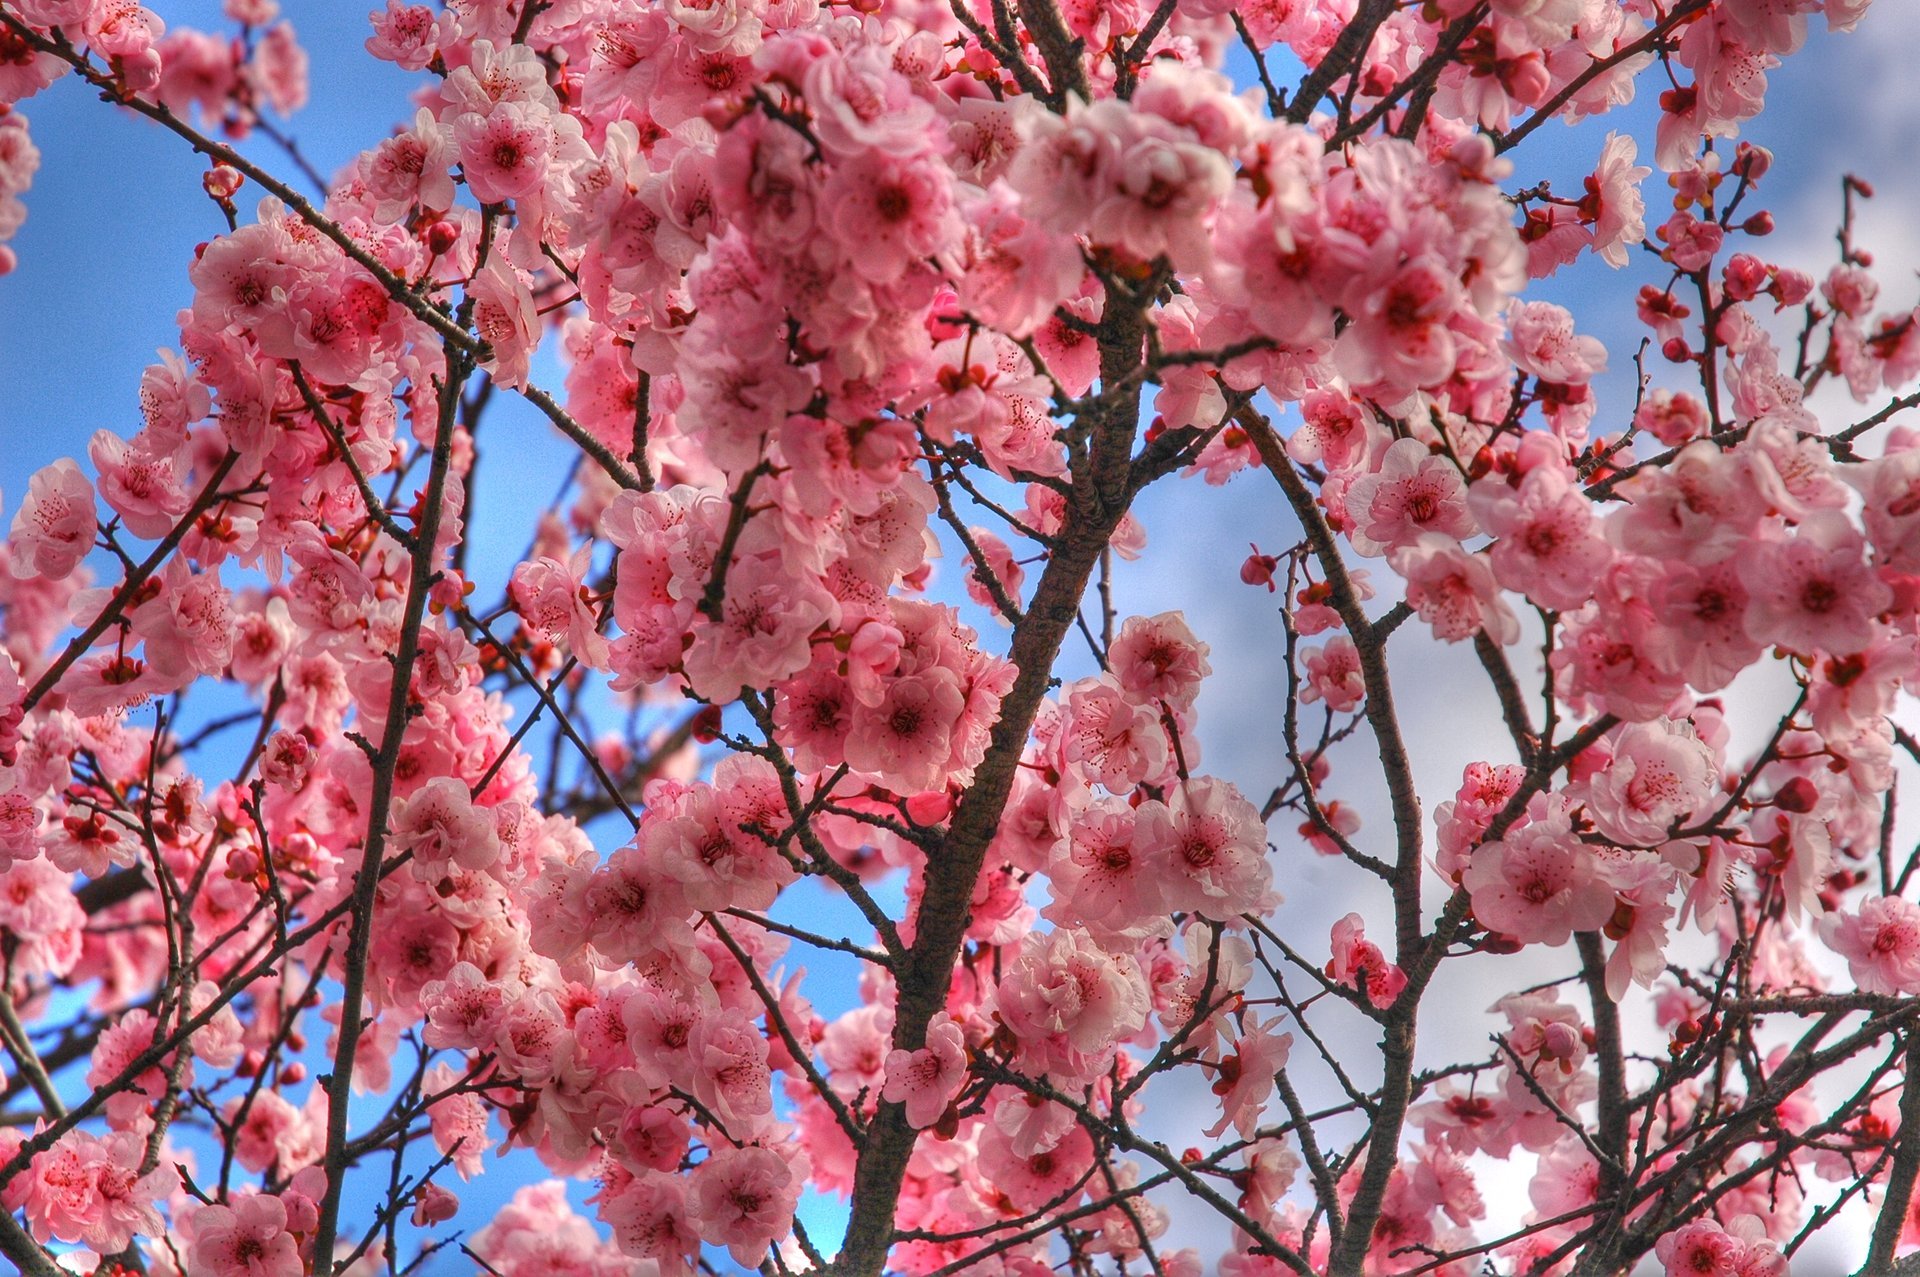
[[504, 316], [88, 1189], [1542, 342], [927, 1080], [1691, 243], [404, 34], [504, 153], [1813, 591], [1110, 741], [1617, 209], [53, 528], [248, 1239], [1097, 875], [762, 634], [906, 739], [1068, 1001], [731, 1078], [1662, 774], [412, 168], [279, 69], [887, 212], [551, 598], [1401, 340], [1158, 659], [1358, 963], [1032, 1176], [743, 1199], [1550, 547], [1209, 846], [1881, 943], [1333, 675], [1414, 492], [1454, 591], [1244, 1078], [1539, 884], [440, 825]]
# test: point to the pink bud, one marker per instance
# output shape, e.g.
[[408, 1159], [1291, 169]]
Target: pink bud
[[1746, 276], [1751, 162], [1258, 569], [1797, 795], [1560, 1041], [442, 236], [1791, 287], [930, 807], [139, 72], [433, 1205], [222, 181]]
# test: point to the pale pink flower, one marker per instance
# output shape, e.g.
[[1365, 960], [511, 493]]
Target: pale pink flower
[[1097, 876], [505, 152], [1550, 547], [53, 528], [1541, 341], [440, 825], [1068, 1001], [1539, 884], [1157, 658], [649, 1219], [1030, 1175], [1662, 774], [1415, 491], [1454, 591], [1162, 191], [143, 487], [404, 34], [1209, 848], [763, 634], [1880, 941], [743, 1199], [278, 69], [887, 212], [1813, 591], [1333, 675], [1358, 963], [1109, 740], [551, 598], [730, 1071], [250, 1238], [1613, 200], [1671, 416], [1244, 1078], [927, 1080], [906, 739], [1400, 340], [88, 1189], [412, 168], [505, 318]]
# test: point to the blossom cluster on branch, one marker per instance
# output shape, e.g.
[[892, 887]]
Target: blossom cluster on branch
[[838, 286]]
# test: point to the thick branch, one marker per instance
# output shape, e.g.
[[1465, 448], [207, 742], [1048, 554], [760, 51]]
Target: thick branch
[[1095, 508]]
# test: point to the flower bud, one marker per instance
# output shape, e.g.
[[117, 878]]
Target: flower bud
[[222, 181], [1751, 162]]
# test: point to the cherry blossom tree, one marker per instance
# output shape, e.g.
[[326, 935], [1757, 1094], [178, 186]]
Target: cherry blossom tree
[[337, 850]]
